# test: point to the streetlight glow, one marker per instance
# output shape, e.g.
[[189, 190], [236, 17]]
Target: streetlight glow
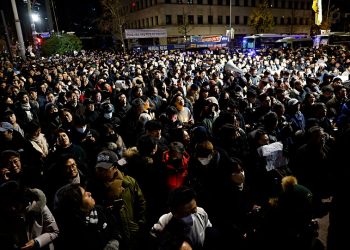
[[36, 18]]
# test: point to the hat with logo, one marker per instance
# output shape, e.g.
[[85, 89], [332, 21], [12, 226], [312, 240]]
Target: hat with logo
[[106, 159], [5, 126]]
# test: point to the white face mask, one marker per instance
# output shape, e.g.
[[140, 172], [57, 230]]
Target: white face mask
[[82, 129], [188, 220], [205, 160], [108, 115]]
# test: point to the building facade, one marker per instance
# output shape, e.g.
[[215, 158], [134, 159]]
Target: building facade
[[212, 17]]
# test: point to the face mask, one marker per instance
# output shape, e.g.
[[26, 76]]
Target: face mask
[[205, 160], [108, 115], [81, 130], [188, 220]]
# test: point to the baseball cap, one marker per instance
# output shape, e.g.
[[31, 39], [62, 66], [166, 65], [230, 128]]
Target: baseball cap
[[107, 159], [5, 126]]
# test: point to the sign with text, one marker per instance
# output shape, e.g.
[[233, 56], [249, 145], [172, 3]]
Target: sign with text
[[145, 33]]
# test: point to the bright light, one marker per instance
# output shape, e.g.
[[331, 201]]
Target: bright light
[[36, 18]]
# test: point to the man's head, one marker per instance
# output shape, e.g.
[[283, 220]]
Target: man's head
[[106, 165], [6, 130], [182, 202]]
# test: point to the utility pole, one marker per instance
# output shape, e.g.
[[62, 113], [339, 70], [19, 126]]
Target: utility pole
[[49, 15], [32, 24], [19, 30], [230, 21]]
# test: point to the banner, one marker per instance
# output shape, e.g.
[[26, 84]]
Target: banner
[[145, 33], [273, 154], [317, 7]]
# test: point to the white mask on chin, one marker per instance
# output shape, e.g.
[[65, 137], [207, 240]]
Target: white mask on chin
[[82, 129], [205, 160], [108, 115]]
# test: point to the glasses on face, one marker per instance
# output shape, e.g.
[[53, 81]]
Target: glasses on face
[[13, 161]]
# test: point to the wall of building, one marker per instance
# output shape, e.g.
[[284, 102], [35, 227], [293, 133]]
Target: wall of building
[[154, 16]]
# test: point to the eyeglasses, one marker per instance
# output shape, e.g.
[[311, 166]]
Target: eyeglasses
[[13, 161]]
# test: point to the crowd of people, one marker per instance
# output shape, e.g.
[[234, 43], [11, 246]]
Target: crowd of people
[[102, 150]]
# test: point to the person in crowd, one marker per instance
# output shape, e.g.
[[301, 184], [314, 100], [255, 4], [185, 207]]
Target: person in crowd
[[10, 117], [10, 139], [24, 110], [62, 146], [65, 170], [26, 221], [37, 139], [83, 224], [112, 188], [291, 217], [191, 222], [174, 168]]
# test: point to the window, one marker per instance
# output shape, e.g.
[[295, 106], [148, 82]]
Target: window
[[283, 5], [237, 2], [219, 19], [210, 19], [167, 1], [200, 19], [301, 21], [282, 20], [143, 23], [290, 4], [168, 19], [275, 19], [152, 23], [227, 19], [236, 19], [245, 3], [180, 19], [307, 20], [190, 19], [253, 3], [245, 20], [295, 20], [220, 2], [157, 23], [275, 4], [289, 20], [210, 2], [302, 5], [147, 22], [228, 2], [199, 1]]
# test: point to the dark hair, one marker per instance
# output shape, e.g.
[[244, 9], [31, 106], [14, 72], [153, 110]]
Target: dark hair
[[146, 144], [180, 196], [68, 199]]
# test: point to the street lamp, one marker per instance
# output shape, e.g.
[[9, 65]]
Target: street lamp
[[36, 18]]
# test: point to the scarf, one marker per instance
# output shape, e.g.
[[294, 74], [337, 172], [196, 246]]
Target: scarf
[[92, 218], [26, 107], [40, 144]]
